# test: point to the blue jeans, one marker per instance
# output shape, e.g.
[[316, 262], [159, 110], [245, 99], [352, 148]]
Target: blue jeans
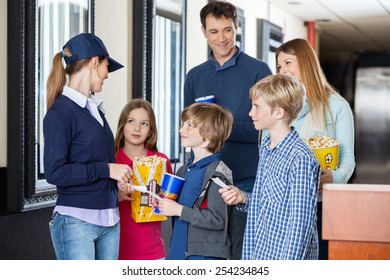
[[237, 221], [74, 239]]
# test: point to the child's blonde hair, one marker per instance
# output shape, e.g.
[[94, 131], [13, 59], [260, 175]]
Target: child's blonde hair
[[214, 123], [280, 91]]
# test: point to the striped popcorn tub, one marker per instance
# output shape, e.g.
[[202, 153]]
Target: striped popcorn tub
[[149, 172]]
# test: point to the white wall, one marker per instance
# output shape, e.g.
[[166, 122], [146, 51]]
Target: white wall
[[113, 24], [3, 83], [196, 42], [292, 27]]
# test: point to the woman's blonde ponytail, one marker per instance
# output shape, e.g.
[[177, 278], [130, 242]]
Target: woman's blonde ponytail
[[56, 80]]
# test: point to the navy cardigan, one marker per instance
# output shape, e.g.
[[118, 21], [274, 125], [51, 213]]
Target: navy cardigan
[[77, 150]]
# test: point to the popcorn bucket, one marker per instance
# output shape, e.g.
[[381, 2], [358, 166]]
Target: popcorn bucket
[[147, 171], [171, 187], [326, 150], [328, 157]]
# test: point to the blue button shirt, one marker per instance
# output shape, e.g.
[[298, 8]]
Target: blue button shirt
[[282, 208], [192, 187]]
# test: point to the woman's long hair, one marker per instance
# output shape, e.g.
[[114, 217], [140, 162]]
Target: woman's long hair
[[57, 77], [313, 78]]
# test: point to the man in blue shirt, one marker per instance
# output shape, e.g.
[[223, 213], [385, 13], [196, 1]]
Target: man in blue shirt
[[228, 75], [282, 209]]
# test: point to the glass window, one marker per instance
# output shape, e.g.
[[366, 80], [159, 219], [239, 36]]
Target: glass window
[[158, 66], [270, 37], [37, 32], [167, 84], [56, 22]]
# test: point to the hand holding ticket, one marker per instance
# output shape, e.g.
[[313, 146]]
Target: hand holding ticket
[[143, 189], [230, 194], [220, 183]]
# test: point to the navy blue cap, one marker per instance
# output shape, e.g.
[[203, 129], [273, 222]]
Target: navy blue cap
[[86, 45]]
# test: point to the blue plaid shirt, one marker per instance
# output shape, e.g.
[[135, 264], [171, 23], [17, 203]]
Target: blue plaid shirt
[[282, 209]]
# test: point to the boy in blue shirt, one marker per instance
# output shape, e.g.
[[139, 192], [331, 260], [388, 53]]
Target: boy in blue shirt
[[282, 208], [200, 216]]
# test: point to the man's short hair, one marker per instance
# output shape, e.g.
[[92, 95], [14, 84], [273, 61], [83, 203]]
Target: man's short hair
[[218, 9]]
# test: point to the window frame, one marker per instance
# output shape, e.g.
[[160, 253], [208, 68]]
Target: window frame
[[144, 12], [22, 192]]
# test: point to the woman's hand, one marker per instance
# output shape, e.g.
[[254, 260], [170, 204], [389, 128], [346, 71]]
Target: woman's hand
[[120, 172], [232, 195], [169, 207], [326, 178]]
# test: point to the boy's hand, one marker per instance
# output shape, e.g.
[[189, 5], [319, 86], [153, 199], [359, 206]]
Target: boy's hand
[[169, 207], [232, 195]]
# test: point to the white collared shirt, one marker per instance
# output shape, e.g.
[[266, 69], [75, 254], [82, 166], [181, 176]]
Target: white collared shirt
[[92, 103]]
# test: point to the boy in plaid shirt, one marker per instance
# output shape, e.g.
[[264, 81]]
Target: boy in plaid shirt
[[282, 208]]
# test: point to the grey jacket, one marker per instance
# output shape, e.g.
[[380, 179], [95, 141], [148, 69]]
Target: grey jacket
[[208, 227]]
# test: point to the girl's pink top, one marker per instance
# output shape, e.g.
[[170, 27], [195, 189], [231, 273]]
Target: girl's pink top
[[139, 241]]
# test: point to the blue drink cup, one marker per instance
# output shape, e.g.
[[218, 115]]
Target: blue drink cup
[[208, 98], [170, 188]]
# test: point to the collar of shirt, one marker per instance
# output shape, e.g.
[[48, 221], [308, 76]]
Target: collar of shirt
[[204, 161], [285, 145], [227, 64], [81, 100]]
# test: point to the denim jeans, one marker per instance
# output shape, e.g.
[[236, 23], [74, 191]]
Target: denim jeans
[[74, 239], [237, 221]]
